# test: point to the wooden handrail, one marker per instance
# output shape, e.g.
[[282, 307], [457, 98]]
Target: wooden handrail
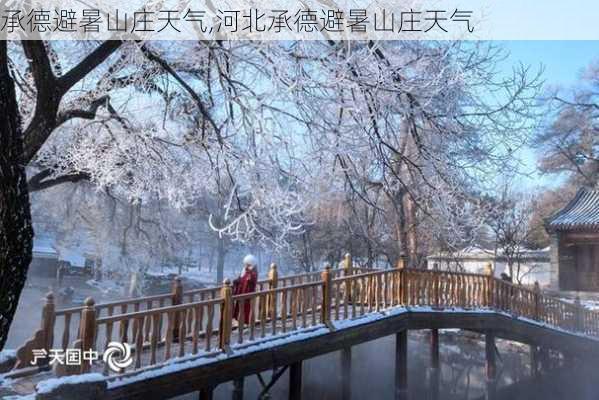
[[293, 302], [146, 313], [246, 296], [186, 293]]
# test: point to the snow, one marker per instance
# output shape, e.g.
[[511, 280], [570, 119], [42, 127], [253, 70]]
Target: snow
[[7, 354], [106, 286], [589, 304], [203, 276], [49, 385], [44, 247], [193, 361], [74, 257]]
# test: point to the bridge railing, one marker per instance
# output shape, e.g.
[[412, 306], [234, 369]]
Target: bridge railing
[[59, 328], [158, 328]]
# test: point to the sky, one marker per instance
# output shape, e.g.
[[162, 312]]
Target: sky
[[563, 62]]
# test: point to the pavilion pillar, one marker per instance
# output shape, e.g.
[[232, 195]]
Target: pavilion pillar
[[554, 262], [295, 381], [435, 371], [491, 389], [346, 373], [238, 389], [401, 365]]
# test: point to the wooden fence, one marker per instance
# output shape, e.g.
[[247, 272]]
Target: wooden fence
[[190, 322]]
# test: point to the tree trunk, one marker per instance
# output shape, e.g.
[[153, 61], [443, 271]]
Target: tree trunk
[[220, 261], [16, 232], [411, 223], [400, 227]]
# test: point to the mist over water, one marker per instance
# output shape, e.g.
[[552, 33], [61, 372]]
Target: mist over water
[[462, 375]]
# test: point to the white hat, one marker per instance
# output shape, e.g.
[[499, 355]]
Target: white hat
[[251, 260]]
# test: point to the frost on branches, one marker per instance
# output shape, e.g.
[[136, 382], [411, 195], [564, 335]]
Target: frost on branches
[[263, 133]]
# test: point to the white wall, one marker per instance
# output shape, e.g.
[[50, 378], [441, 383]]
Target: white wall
[[530, 271]]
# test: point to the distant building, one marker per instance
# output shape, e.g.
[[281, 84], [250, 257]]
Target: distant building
[[574, 234], [531, 266], [45, 257], [77, 260]]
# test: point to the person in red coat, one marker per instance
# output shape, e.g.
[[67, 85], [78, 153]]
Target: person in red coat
[[245, 283]]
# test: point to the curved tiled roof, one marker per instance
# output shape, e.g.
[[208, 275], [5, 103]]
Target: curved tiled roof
[[581, 213]]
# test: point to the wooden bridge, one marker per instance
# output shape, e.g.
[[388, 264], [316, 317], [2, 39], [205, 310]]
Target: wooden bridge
[[188, 341]]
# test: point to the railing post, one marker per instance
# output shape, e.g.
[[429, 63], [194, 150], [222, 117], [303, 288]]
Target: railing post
[[273, 281], [87, 331], [578, 309], [437, 289], [326, 294], [347, 265], [537, 296], [490, 285], [403, 290], [226, 315], [401, 263], [177, 298], [273, 276], [48, 320], [348, 271]]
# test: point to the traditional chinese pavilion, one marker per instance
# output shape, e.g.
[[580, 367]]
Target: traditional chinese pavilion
[[575, 243]]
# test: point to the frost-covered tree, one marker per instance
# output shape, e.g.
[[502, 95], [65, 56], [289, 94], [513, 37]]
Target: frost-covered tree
[[16, 233], [408, 119], [265, 133], [568, 143], [24, 131]]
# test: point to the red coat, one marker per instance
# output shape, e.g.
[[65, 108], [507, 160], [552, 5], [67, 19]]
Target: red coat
[[246, 283]]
